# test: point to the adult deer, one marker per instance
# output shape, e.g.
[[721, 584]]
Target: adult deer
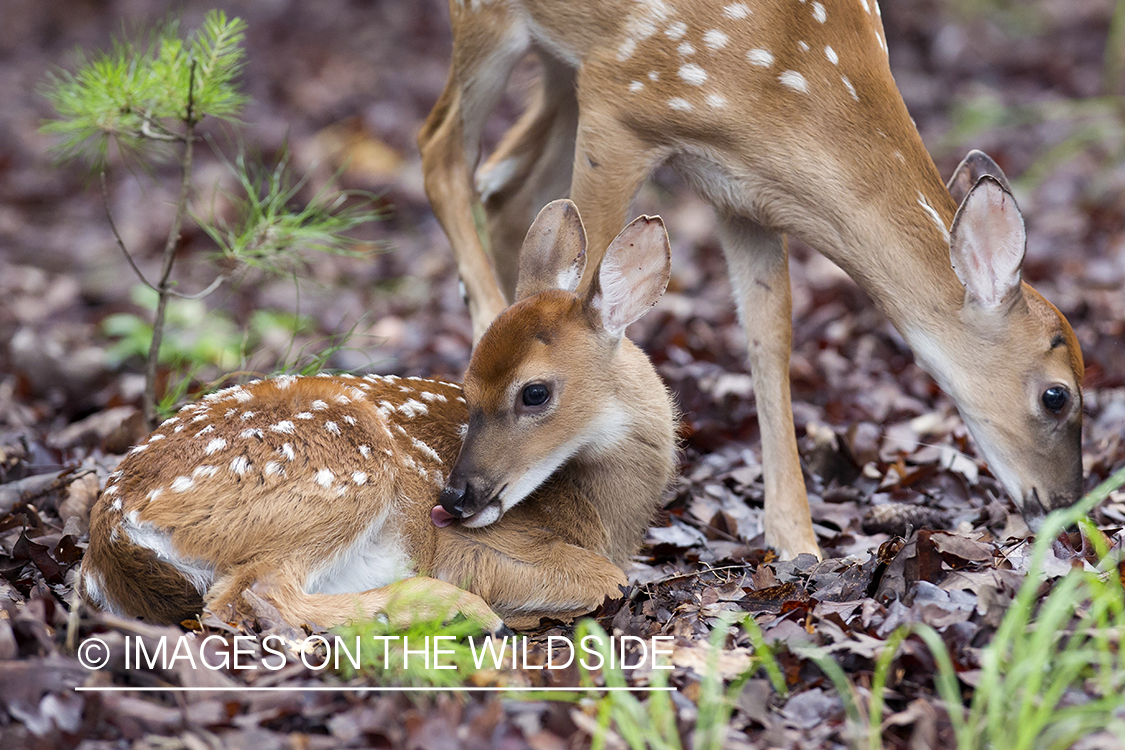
[[320, 492], [784, 115]]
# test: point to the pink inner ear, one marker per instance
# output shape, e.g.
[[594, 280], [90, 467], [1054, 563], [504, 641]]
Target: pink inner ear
[[988, 242], [634, 272]]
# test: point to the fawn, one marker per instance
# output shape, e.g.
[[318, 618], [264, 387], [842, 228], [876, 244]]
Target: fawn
[[320, 492], [784, 115]]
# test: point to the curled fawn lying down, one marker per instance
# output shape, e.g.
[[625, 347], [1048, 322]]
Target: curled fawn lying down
[[321, 492], [785, 117]]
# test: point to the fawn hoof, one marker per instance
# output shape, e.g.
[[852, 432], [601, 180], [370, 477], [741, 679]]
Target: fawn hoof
[[503, 631]]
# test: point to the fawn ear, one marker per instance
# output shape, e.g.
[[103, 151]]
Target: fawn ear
[[975, 165], [553, 255], [633, 275], [987, 243]]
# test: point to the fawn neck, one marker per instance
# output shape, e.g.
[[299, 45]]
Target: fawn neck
[[625, 481]]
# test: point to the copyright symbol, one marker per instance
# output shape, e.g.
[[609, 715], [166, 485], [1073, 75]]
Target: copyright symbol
[[93, 653]]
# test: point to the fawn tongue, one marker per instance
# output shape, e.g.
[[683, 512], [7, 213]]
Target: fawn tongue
[[441, 517]]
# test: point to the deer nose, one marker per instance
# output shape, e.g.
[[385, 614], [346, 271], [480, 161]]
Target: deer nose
[[454, 498]]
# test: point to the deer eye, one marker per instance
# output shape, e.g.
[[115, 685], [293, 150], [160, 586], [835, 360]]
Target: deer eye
[[1055, 398], [535, 394]]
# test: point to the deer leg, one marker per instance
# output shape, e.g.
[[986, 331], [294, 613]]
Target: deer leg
[[403, 602], [610, 163], [758, 261], [526, 573], [530, 168], [450, 144]]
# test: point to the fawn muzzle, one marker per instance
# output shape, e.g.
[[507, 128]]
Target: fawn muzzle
[[462, 500]]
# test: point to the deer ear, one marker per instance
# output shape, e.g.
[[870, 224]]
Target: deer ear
[[975, 165], [633, 275], [553, 255], [987, 243]]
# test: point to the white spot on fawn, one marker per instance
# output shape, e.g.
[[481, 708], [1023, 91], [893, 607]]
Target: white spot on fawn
[[241, 395], [199, 418], [359, 477], [332, 427], [676, 30], [138, 449], [793, 80], [284, 381], [819, 13], [803, 45], [866, 7], [324, 478], [179, 428], [246, 415], [110, 490], [205, 430], [285, 427], [303, 415], [116, 504], [287, 450], [686, 49], [240, 465], [205, 471], [715, 39], [229, 413], [214, 446], [156, 437], [678, 104], [272, 468], [425, 450], [636, 86], [365, 451], [155, 494], [653, 75], [412, 408], [736, 12], [625, 51], [427, 396], [170, 420], [851, 89], [831, 55], [349, 419], [182, 484], [693, 74], [251, 433], [718, 101], [760, 57], [344, 400]]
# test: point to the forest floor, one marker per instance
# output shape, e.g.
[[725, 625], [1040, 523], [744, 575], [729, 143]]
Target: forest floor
[[346, 86]]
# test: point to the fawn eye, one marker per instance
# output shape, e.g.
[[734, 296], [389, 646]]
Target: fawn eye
[[535, 394], [1055, 398]]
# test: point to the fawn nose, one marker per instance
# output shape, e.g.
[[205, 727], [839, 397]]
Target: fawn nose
[[455, 497]]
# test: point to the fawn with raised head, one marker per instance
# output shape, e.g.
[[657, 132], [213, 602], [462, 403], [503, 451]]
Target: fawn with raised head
[[320, 493], [785, 116]]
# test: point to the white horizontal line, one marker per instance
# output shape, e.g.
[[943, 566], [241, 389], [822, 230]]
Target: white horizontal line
[[364, 689]]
